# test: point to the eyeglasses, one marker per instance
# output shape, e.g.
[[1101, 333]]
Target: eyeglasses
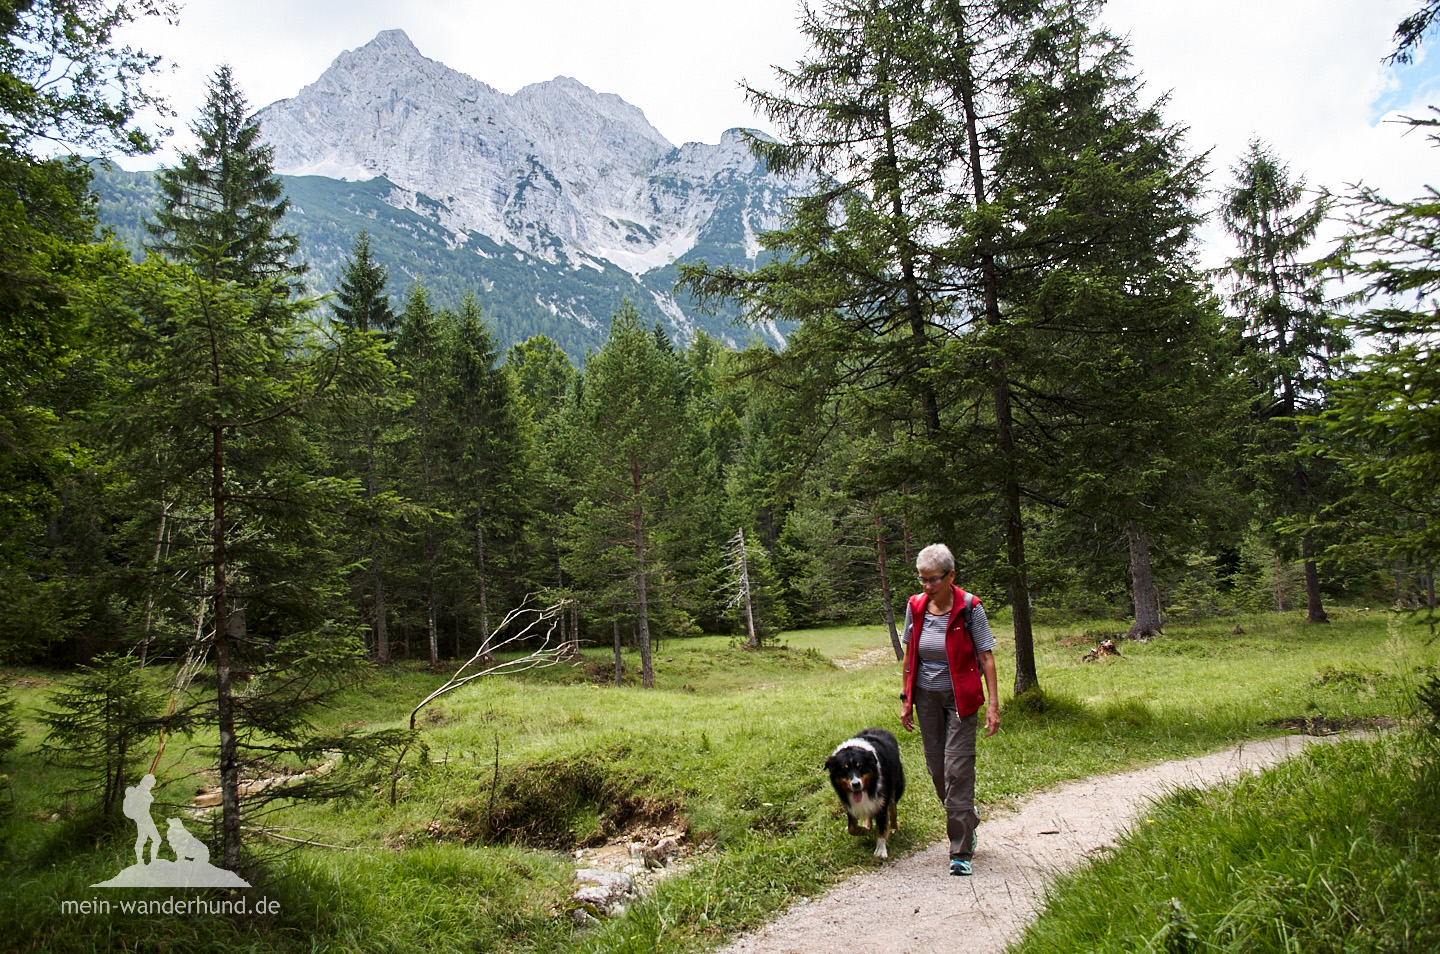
[[927, 580]]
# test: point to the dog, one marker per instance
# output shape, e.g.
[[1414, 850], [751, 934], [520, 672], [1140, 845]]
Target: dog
[[185, 845], [870, 780]]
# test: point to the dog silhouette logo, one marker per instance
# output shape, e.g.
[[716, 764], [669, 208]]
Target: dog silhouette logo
[[191, 867]]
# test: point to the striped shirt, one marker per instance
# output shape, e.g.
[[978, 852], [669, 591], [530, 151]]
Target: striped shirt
[[934, 670]]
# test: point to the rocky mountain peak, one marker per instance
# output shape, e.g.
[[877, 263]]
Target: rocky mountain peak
[[557, 169], [397, 41]]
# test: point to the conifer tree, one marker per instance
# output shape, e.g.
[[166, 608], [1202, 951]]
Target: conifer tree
[[363, 306], [1289, 344], [222, 206], [231, 379], [361, 302], [894, 260], [423, 354], [627, 438], [1382, 420], [488, 461], [1115, 349]]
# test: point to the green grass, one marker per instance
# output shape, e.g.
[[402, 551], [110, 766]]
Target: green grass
[[1334, 851], [474, 855]]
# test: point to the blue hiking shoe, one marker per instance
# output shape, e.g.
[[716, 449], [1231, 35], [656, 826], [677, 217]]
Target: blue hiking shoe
[[960, 867]]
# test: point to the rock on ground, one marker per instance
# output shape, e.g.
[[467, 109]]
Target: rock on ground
[[914, 906]]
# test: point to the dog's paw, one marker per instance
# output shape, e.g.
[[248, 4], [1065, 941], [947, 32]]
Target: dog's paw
[[880, 851]]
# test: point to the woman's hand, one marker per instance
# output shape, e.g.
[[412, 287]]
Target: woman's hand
[[992, 718], [907, 717]]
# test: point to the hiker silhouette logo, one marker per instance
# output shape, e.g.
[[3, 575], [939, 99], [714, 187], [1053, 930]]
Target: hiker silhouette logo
[[191, 867]]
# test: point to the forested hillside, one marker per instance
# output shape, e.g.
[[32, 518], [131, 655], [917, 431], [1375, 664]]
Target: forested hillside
[[523, 294]]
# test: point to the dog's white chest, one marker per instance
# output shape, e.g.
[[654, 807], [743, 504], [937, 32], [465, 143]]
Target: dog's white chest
[[868, 807]]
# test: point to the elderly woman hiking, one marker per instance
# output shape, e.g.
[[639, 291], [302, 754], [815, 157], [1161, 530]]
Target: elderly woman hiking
[[948, 646]]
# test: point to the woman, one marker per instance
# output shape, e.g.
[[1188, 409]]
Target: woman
[[948, 646]]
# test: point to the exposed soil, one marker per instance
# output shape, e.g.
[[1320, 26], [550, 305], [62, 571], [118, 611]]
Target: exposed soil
[[913, 905]]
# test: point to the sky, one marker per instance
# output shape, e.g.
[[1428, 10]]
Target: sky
[[1305, 76]]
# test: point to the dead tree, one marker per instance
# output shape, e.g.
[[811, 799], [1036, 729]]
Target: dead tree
[[737, 572]]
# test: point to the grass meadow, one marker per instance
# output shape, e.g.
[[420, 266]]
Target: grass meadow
[[476, 852]]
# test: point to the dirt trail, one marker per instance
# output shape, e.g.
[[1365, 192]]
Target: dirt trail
[[912, 905]]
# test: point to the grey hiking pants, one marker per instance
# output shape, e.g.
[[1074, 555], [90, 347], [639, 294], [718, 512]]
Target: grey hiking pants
[[950, 756]]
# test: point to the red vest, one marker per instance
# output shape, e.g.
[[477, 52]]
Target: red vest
[[959, 652]]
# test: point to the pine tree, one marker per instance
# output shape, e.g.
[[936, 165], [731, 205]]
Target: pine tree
[[1289, 343], [423, 354], [223, 205], [230, 381], [363, 306], [361, 302], [627, 437]]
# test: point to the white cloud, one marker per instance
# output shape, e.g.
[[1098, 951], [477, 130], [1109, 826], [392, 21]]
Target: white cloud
[[1305, 76]]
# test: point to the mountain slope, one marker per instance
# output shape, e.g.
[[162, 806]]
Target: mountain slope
[[554, 205]]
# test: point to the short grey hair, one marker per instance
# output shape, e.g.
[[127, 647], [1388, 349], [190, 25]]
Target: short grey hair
[[936, 556]]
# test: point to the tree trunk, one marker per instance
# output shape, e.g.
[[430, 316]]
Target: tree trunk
[[480, 571], [885, 589], [905, 524], [154, 568], [1147, 600], [647, 674], [1279, 585], [619, 665], [1315, 612], [379, 622], [754, 640], [1026, 677], [382, 630], [224, 643]]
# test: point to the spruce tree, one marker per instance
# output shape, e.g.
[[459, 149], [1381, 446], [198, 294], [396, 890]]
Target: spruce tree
[[363, 306], [1106, 329], [1289, 344], [361, 302], [627, 438], [230, 382], [222, 206], [1382, 421], [423, 354], [487, 463]]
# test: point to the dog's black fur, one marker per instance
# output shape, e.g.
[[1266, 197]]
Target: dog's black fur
[[869, 779]]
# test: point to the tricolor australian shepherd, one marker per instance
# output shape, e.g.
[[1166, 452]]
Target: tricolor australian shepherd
[[869, 779]]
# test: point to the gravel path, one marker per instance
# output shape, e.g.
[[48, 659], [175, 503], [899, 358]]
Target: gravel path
[[912, 905]]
